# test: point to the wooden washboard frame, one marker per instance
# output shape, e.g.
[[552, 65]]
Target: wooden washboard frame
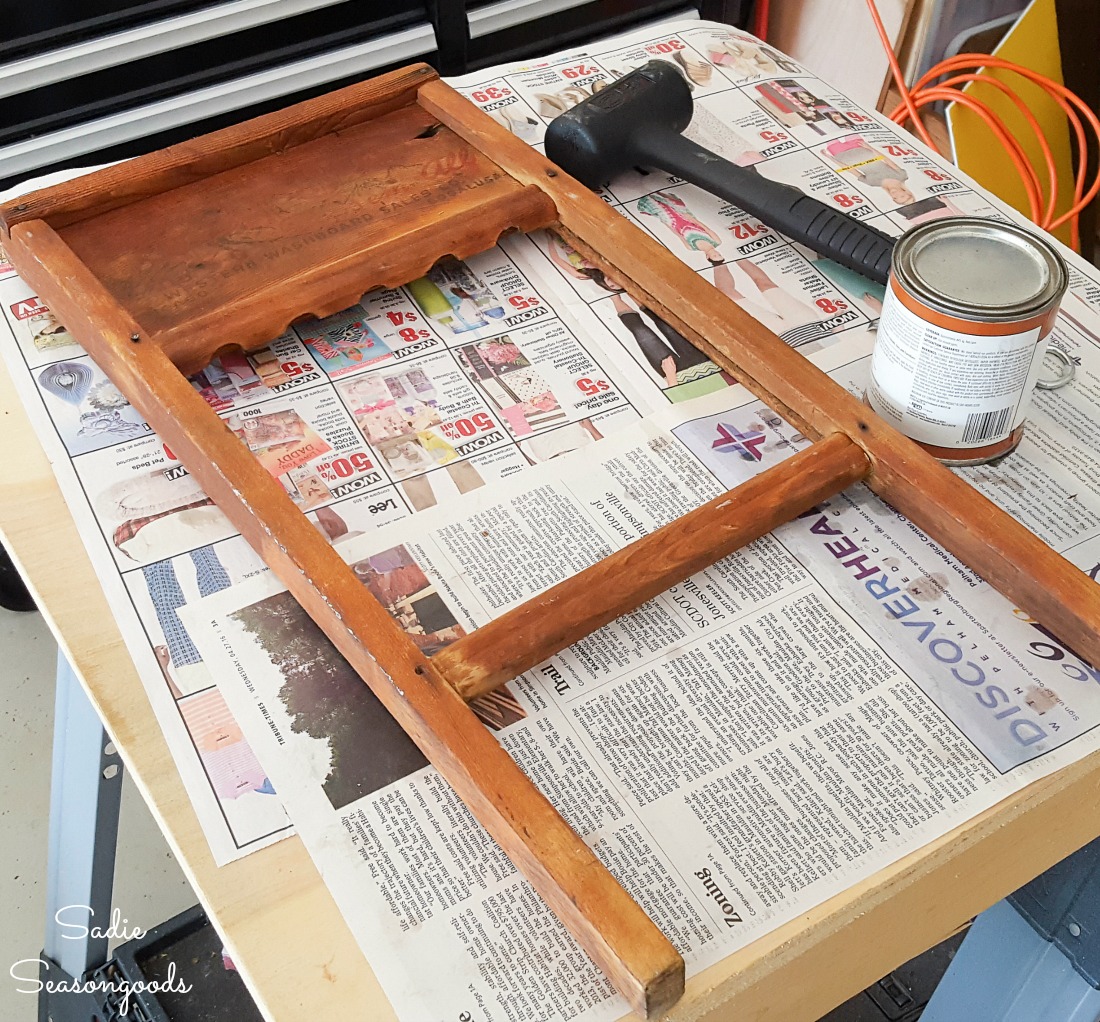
[[301, 211]]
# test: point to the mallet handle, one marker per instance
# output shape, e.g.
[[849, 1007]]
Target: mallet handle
[[827, 231]]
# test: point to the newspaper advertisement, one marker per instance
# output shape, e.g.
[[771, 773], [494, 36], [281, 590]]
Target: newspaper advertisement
[[411, 398], [483, 368], [759, 109], [735, 751]]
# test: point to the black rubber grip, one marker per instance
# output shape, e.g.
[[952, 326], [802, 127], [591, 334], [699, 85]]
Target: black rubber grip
[[830, 233], [807, 220], [784, 208]]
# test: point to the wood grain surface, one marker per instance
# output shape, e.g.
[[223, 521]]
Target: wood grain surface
[[335, 199], [236, 257], [199, 158]]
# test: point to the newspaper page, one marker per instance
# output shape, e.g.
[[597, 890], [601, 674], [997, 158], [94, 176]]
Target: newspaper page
[[737, 750], [412, 397], [403, 401], [420, 394], [759, 109], [765, 733]]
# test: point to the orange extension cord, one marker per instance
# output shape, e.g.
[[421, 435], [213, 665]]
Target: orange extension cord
[[927, 90]]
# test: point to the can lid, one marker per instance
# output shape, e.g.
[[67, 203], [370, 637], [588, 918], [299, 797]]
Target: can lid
[[980, 269]]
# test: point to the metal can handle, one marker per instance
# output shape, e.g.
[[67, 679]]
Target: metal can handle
[[1066, 373]]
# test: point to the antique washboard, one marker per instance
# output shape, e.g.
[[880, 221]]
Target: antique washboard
[[301, 211]]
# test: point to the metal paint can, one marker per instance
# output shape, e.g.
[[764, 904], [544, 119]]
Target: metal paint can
[[961, 340]]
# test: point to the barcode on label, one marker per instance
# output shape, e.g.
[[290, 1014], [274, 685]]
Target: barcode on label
[[983, 425]]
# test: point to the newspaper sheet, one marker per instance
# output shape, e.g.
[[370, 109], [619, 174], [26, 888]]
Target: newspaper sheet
[[423, 393], [365, 417], [765, 733], [735, 751]]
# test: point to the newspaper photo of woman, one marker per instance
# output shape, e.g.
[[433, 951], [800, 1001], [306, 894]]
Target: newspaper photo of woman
[[571, 263], [675, 214], [779, 310], [672, 357], [869, 165], [856, 157]]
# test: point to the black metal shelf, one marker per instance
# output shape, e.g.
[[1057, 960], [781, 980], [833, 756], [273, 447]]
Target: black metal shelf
[[30, 119]]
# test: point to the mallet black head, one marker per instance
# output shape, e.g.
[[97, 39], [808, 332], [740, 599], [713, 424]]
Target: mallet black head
[[595, 140]]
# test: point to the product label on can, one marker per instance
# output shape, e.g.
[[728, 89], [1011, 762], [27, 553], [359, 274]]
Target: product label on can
[[946, 387]]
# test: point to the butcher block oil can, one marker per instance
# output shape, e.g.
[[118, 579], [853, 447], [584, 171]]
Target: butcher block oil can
[[962, 336]]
